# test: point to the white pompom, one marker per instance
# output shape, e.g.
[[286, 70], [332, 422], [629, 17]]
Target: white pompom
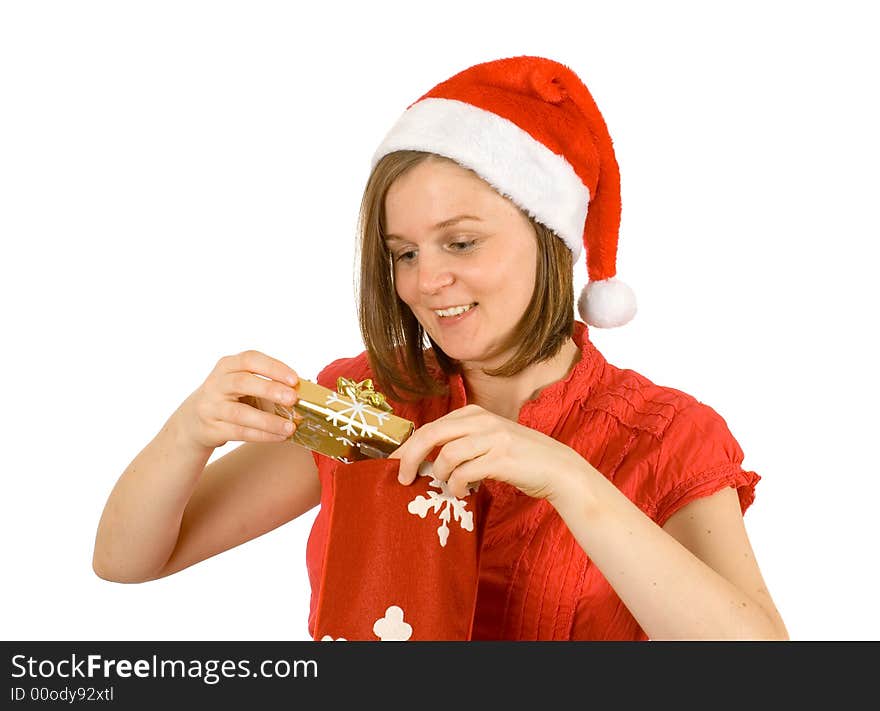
[[607, 303]]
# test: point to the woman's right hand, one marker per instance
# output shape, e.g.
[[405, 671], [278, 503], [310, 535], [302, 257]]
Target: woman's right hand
[[236, 404]]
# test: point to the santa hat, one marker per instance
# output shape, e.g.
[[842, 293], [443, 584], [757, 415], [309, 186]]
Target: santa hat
[[530, 128]]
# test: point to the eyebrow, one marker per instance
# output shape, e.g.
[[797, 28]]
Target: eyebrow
[[439, 226]]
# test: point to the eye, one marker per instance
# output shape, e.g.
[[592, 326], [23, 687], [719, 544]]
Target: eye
[[461, 246]]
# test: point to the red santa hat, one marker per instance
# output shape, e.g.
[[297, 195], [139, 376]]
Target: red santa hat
[[531, 129]]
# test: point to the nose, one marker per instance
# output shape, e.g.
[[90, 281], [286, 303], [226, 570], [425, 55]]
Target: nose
[[434, 274]]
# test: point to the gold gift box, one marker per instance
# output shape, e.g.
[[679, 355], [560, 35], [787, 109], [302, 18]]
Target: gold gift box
[[350, 424]]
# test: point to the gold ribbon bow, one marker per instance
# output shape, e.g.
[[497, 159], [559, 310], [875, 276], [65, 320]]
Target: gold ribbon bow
[[362, 392]]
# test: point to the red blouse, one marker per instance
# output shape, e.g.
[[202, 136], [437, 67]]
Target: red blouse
[[659, 446]]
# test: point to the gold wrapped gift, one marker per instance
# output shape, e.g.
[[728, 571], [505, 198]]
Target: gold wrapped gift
[[352, 423]]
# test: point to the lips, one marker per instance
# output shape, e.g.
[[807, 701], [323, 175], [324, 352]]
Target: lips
[[451, 306], [452, 311]]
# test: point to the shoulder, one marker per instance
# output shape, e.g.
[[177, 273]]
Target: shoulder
[[672, 447], [354, 367], [638, 403], [358, 368], [675, 419]]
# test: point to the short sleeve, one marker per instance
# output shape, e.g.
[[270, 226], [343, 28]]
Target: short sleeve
[[698, 456]]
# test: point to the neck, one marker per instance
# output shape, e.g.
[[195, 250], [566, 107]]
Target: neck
[[506, 396]]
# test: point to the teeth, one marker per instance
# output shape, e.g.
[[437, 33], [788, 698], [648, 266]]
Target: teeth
[[454, 311]]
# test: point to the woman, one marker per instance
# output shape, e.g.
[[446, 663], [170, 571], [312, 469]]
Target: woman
[[617, 503]]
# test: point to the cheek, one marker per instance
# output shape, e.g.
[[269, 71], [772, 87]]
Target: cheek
[[404, 286], [525, 285], [513, 280]]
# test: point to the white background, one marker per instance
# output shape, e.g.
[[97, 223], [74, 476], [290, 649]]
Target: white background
[[180, 181]]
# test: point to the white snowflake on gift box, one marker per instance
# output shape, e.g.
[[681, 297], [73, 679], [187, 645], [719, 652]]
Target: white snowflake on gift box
[[352, 418], [452, 507], [345, 441]]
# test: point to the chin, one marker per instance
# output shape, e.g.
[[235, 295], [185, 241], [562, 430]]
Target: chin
[[471, 356], [459, 354]]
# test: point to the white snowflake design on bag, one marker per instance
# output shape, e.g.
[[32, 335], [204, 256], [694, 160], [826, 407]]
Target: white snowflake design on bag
[[452, 506], [390, 628]]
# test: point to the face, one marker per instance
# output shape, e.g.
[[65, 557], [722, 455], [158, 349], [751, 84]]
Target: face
[[457, 244]]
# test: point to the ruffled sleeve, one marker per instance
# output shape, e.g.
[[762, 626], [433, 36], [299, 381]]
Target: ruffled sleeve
[[698, 456]]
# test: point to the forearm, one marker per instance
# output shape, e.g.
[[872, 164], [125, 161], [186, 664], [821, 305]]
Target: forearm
[[671, 593], [141, 520]]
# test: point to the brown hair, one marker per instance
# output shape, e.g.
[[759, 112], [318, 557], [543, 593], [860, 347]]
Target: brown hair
[[394, 338]]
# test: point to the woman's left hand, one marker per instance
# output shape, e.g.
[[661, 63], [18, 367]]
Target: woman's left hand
[[476, 444]]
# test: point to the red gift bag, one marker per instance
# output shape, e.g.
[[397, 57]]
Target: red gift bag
[[402, 562]]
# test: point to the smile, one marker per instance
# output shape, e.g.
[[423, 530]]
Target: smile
[[454, 310]]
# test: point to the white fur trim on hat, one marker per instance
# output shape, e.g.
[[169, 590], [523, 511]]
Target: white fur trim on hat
[[607, 303], [518, 166]]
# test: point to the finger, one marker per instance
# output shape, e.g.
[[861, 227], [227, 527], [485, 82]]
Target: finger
[[467, 410], [237, 414], [236, 433], [260, 364], [240, 384], [464, 477], [455, 453], [425, 439], [269, 406]]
